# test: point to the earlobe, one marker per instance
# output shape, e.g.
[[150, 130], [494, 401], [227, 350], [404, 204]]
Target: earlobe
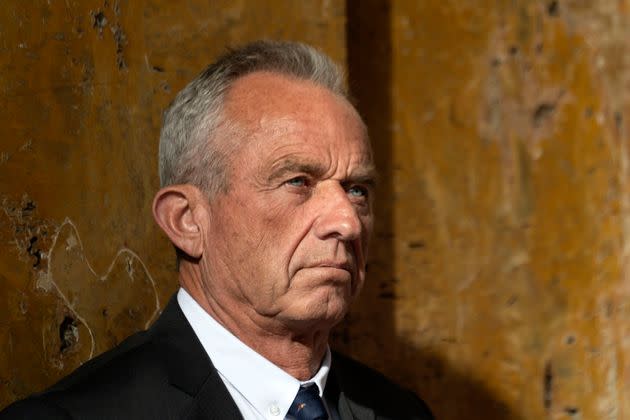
[[175, 209]]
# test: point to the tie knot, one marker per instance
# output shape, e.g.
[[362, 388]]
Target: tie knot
[[308, 405]]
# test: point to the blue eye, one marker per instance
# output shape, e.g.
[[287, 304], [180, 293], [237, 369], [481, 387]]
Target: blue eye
[[299, 181], [357, 191]]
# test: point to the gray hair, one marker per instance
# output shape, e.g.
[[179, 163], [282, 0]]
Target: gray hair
[[189, 153]]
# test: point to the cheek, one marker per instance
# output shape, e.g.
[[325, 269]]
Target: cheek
[[285, 220], [271, 234], [234, 238], [264, 231]]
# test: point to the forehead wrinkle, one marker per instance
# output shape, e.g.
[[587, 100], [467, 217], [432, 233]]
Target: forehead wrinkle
[[294, 165], [284, 124], [366, 173]]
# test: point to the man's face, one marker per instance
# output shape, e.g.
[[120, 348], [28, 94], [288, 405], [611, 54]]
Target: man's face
[[288, 240]]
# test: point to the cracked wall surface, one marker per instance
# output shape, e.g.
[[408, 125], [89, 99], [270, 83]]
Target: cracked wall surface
[[82, 88], [501, 256], [498, 281]]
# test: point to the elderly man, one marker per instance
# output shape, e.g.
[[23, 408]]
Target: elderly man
[[267, 181]]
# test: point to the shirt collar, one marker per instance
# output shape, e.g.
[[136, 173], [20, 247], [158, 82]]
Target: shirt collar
[[259, 381]]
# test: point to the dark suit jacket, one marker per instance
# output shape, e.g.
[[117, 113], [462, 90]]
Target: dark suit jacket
[[164, 373]]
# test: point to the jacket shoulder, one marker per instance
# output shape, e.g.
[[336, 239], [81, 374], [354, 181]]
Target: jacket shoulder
[[34, 408], [130, 379], [133, 357], [370, 388]]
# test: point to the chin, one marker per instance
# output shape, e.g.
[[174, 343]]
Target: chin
[[323, 304], [326, 312]]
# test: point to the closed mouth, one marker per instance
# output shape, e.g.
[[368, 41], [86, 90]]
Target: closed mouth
[[339, 265]]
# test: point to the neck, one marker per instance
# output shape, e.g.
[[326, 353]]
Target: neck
[[298, 350]]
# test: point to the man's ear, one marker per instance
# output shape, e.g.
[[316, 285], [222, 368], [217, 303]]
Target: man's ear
[[178, 209]]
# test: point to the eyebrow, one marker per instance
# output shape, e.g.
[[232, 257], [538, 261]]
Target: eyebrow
[[362, 175], [293, 166]]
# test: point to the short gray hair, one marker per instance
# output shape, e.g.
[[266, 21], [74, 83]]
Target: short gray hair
[[189, 153]]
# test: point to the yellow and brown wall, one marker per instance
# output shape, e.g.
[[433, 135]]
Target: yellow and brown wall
[[499, 277]]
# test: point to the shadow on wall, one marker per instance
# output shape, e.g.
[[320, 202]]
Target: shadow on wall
[[450, 393]]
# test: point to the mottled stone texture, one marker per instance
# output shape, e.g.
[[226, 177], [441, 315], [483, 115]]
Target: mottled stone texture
[[499, 286], [499, 275], [82, 88]]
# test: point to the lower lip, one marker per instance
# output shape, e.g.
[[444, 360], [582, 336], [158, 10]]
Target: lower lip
[[330, 270], [331, 267]]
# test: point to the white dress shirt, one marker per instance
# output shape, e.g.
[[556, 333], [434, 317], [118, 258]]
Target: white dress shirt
[[260, 389]]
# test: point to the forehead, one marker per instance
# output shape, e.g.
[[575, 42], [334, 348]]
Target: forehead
[[265, 92], [274, 109]]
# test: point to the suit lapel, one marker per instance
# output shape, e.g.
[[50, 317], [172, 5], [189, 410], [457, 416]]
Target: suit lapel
[[351, 410], [189, 368], [338, 393], [213, 402]]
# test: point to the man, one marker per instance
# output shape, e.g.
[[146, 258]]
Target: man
[[267, 181]]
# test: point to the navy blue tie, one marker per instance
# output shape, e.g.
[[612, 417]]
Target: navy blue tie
[[307, 404]]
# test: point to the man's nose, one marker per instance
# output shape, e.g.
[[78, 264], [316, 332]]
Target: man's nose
[[338, 217]]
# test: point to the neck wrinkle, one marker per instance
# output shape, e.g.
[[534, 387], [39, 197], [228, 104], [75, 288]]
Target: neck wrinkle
[[298, 354]]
